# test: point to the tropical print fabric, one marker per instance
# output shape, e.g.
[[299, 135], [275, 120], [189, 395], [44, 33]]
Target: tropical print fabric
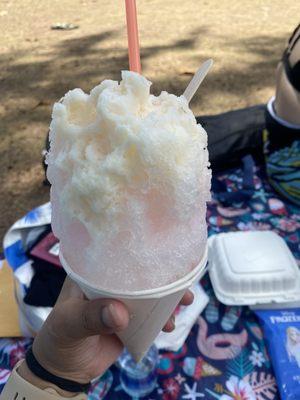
[[283, 168], [282, 155]]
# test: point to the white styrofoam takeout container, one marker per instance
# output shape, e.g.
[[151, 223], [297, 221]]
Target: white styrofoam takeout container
[[253, 268], [149, 309]]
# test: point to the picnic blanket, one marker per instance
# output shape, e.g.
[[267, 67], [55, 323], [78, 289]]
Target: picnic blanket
[[224, 356]]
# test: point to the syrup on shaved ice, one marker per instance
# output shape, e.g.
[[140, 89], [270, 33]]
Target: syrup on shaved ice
[[130, 180]]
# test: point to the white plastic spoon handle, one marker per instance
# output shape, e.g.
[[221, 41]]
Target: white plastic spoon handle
[[197, 80]]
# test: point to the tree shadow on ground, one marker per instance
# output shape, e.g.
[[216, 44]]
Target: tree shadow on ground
[[79, 62]]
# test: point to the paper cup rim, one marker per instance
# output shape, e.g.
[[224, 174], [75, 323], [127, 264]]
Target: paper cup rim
[[173, 287]]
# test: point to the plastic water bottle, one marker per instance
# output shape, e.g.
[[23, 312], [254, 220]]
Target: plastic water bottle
[[138, 379]]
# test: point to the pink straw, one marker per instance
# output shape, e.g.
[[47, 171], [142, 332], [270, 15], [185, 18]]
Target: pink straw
[[133, 37]]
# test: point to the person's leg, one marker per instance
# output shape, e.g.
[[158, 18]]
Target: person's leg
[[282, 134], [287, 99]]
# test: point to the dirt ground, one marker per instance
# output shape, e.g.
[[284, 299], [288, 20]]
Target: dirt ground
[[38, 65]]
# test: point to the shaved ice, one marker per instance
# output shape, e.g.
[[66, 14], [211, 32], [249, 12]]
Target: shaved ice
[[130, 180]]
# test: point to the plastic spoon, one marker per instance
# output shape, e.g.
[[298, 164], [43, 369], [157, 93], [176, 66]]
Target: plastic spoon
[[197, 80]]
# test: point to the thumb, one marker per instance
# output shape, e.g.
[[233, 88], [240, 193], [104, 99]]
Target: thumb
[[100, 316]]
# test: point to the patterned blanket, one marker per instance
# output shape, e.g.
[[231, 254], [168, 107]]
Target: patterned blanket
[[224, 356]]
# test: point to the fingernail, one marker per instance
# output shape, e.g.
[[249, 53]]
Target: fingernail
[[108, 316]]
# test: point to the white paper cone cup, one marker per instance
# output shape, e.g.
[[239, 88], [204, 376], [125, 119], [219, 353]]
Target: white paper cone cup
[[149, 310]]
